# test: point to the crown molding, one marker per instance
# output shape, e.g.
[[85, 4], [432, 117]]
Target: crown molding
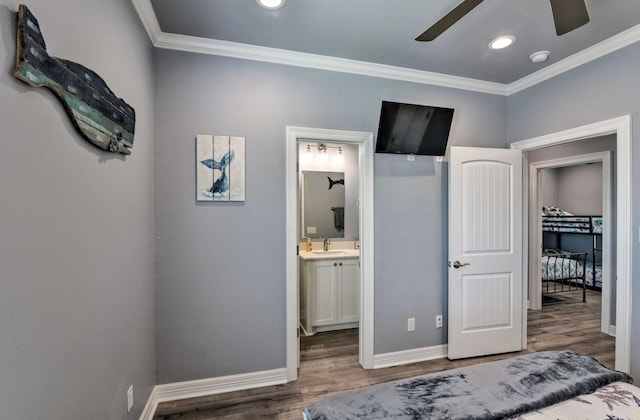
[[149, 19], [292, 58], [273, 55], [598, 50], [321, 62]]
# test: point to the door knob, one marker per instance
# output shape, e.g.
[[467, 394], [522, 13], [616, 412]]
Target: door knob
[[458, 264]]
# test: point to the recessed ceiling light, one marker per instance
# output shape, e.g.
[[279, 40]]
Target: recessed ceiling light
[[539, 56], [271, 4], [503, 41]]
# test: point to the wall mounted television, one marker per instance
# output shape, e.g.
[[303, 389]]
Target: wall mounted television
[[413, 129]]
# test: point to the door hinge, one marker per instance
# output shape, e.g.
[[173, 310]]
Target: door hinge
[[298, 332], [297, 249]]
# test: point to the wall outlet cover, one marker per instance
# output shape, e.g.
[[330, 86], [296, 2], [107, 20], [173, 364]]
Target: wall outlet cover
[[129, 398], [411, 324]]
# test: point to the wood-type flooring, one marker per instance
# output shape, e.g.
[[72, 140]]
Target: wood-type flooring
[[329, 365]]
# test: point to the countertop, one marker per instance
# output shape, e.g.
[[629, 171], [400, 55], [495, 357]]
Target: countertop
[[332, 254]]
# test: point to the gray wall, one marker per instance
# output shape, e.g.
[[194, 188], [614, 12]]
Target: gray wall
[[580, 192], [220, 290], [603, 89], [577, 189], [580, 189], [76, 227], [549, 187]]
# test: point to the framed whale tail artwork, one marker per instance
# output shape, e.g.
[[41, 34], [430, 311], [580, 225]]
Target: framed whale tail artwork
[[220, 168]]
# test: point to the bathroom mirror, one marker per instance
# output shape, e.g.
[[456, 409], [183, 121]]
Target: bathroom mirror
[[323, 200]]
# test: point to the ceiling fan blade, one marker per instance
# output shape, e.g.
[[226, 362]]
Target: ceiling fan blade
[[448, 20], [569, 15]]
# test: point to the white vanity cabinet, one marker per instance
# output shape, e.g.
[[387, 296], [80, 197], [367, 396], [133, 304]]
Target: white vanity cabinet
[[329, 294]]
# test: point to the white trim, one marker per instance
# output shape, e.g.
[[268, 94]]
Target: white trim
[[322, 62], [219, 385], [149, 20], [601, 49], [525, 260], [364, 140], [273, 55], [621, 127], [150, 407], [211, 386], [406, 357], [535, 208]]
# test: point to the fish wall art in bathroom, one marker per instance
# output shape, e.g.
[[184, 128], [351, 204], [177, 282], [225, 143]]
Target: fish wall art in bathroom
[[102, 118], [220, 168]]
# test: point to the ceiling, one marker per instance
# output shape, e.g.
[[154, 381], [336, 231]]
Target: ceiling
[[382, 32]]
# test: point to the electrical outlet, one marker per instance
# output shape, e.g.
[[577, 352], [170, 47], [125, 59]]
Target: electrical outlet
[[129, 399], [411, 324], [438, 321]]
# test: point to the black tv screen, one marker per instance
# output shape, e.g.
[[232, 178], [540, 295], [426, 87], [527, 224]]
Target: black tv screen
[[413, 129]]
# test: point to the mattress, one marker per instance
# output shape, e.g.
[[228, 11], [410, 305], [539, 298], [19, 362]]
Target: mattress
[[573, 224], [556, 267]]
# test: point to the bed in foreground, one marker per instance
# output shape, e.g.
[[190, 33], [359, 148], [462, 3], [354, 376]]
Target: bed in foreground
[[533, 386]]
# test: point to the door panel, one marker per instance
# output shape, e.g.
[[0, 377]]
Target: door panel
[[487, 207], [485, 244], [486, 291], [325, 293], [349, 291]]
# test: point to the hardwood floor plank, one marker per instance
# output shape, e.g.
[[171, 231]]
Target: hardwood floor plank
[[329, 365]]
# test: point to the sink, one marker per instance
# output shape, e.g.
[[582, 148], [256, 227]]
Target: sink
[[336, 252]]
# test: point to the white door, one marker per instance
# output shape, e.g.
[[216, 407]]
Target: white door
[[485, 252]]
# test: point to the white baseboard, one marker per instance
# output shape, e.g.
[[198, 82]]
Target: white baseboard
[[219, 385], [612, 330], [405, 357], [211, 386], [150, 408]]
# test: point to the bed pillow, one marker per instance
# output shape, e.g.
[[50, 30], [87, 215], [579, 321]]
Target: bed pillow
[[554, 211]]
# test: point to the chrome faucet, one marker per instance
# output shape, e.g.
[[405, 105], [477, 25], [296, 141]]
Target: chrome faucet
[[325, 244]]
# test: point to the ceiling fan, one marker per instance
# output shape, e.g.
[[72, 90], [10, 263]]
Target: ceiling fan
[[567, 16]]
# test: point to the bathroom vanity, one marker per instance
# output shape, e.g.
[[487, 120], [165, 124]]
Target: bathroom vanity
[[329, 290]]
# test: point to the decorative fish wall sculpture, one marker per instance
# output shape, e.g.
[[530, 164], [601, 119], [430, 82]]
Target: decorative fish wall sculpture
[[102, 118], [337, 181]]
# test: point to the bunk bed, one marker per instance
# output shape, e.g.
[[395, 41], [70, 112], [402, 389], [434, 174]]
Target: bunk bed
[[563, 270]]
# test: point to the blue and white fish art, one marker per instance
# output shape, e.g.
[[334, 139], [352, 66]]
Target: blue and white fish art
[[220, 185]]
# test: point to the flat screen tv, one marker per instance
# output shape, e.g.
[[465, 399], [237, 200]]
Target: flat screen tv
[[413, 129]]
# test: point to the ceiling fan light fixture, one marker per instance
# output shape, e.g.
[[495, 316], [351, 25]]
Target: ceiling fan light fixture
[[271, 4], [539, 56], [502, 41]]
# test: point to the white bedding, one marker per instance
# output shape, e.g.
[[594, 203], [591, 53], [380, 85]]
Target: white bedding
[[555, 267], [618, 400]]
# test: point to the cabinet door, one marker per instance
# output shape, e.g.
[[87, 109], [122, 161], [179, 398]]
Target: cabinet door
[[325, 293], [348, 291]]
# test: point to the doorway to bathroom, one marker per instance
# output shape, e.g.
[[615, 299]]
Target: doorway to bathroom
[[322, 164]]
